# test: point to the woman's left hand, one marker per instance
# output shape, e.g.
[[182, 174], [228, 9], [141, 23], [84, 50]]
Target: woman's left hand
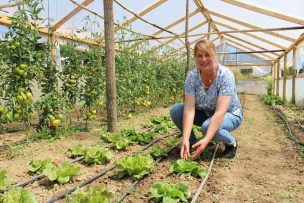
[[200, 146]]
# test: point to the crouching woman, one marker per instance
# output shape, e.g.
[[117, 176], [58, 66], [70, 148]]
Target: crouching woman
[[210, 102]]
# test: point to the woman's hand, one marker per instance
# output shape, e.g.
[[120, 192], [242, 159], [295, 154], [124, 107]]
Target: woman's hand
[[185, 150], [200, 146]]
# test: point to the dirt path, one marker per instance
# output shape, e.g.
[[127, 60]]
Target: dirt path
[[266, 168]]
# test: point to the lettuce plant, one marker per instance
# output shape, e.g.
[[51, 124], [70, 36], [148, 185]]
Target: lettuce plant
[[76, 151], [136, 166], [183, 167], [171, 193], [173, 142], [97, 155], [98, 194], [157, 151], [16, 194], [142, 138], [37, 166], [4, 180], [62, 174]]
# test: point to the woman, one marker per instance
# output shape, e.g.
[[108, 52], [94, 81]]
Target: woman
[[210, 102]]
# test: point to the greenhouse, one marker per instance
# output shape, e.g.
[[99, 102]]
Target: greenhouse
[[151, 101]]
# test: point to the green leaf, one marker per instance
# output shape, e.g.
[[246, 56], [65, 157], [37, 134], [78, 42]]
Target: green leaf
[[97, 155], [165, 192], [62, 174], [18, 195], [4, 180], [77, 150], [98, 194], [184, 167], [136, 166], [37, 166]]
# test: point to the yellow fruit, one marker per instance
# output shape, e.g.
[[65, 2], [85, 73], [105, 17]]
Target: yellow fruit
[[55, 123], [20, 98], [130, 116], [13, 47], [1, 109], [23, 66], [92, 117], [51, 117], [93, 112], [100, 102], [71, 81], [21, 89], [60, 116], [20, 72], [17, 44], [29, 96]]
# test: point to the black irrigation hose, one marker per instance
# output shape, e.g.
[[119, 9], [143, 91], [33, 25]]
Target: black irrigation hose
[[37, 177], [199, 190], [6, 146], [294, 138], [134, 184], [63, 194], [301, 125]]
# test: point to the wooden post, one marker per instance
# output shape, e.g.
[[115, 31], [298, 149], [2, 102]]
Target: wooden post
[[110, 65], [223, 44], [284, 77], [187, 68], [294, 75], [274, 76], [53, 46], [278, 78], [209, 29]]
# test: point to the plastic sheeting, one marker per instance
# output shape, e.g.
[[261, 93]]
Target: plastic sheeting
[[260, 71]]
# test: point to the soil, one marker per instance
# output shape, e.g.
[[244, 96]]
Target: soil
[[267, 167]]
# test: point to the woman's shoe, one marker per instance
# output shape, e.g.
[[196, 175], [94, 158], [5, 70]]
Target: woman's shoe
[[230, 151]]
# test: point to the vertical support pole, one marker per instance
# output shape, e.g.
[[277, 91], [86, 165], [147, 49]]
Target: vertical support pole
[[110, 65], [209, 29], [274, 76], [223, 45], [187, 68], [284, 76], [53, 46], [294, 75], [278, 78]]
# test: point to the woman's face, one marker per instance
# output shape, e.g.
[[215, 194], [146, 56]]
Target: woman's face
[[204, 60]]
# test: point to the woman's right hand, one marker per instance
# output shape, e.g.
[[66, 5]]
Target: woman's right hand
[[185, 153]]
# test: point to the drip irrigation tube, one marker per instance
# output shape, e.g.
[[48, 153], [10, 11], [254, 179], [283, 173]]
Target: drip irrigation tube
[[6, 146], [63, 194], [292, 137], [135, 183], [301, 125], [198, 192]]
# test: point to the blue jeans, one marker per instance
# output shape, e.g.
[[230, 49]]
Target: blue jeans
[[230, 123]]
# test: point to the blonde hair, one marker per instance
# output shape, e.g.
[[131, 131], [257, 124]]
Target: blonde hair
[[206, 46]]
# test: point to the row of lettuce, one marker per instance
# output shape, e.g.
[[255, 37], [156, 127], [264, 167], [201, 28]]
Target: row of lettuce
[[142, 79], [135, 167]]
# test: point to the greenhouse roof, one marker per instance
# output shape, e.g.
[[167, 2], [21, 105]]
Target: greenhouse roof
[[270, 26]]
